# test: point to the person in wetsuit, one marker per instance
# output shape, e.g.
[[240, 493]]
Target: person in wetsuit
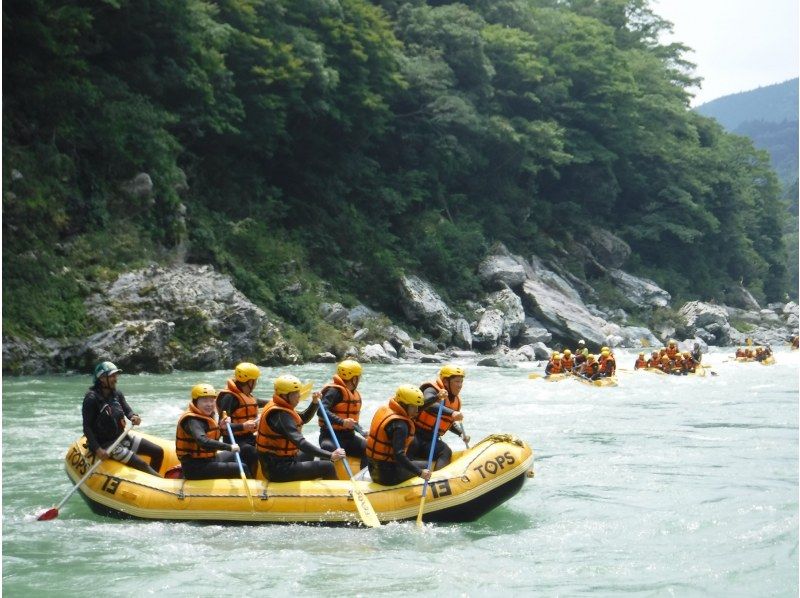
[[390, 435], [237, 400], [446, 388], [342, 402], [202, 454], [104, 411], [284, 453]]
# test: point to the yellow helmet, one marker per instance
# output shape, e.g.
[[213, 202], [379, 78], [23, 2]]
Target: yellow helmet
[[686, 354], [641, 354], [567, 352], [203, 390], [286, 384], [449, 370], [408, 394], [605, 353], [348, 369], [246, 371], [590, 357], [604, 349], [672, 341], [556, 355], [665, 358]]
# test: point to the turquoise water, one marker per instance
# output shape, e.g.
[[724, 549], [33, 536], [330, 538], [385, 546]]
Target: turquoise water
[[661, 486]]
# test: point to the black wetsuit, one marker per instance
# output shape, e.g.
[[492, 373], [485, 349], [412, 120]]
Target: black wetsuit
[[353, 445], [389, 474], [223, 464], [421, 447], [103, 419], [302, 466]]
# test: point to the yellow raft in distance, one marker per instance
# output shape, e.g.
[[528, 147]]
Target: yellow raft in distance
[[476, 481]]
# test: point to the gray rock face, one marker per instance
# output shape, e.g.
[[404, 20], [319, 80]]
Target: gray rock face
[[334, 313], [510, 305], [134, 345], [534, 332], [564, 314], [203, 306], [462, 335], [699, 314], [489, 331], [641, 291], [423, 306], [138, 187], [609, 249], [502, 269]]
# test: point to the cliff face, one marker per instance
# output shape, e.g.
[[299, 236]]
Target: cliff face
[[157, 319]]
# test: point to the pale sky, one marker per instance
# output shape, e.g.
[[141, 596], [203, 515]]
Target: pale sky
[[738, 44]]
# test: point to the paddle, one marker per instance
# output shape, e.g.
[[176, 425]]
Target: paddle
[[368, 515], [534, 376], [464, 436], [53, 513], [241, 467], [434, 438]]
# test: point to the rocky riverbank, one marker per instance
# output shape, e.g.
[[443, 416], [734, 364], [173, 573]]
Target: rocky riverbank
[[191, 317]]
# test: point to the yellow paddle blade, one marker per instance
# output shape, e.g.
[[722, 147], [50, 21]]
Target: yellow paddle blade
[[305, 390], [534, 376], [419, 515], [368, 515]]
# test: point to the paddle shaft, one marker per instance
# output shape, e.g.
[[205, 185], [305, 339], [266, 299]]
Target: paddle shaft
[[434, 439], [86, 476], [363, 506], [241, 467]]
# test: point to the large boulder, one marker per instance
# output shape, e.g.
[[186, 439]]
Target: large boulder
[[609, 249], [503, 269], [698, 314], [133, 345], [510, 305], [742, 298], [640, 291], [551, 300], [423, 306], [488, 333], [203, 305]]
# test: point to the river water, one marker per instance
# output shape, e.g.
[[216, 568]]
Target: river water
[[661, 486]]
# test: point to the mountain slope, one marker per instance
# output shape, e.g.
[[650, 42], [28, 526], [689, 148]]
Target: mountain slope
[[773, 103]]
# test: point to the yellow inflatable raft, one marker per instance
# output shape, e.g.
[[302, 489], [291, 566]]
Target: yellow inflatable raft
[[768, 361], [475, 482], [611, 381]]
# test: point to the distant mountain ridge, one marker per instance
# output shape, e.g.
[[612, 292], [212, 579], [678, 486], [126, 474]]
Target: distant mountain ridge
[[767, 115], [772, 103]]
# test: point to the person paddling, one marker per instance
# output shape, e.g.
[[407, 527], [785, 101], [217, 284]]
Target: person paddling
[[390, 436], [447, 388], [641, 362], [202, 454], [237, 400], [284, 453], [342, 402], [104, 411]]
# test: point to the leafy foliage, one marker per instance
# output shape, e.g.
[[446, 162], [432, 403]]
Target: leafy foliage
[[291, 142]]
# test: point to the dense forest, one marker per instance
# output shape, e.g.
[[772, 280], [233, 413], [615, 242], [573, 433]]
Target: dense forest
[[341, 142]]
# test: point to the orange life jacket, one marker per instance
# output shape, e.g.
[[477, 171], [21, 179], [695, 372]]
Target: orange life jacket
[[555, 367], [604, 364], [426, 421], [591, 369], [270, 441], [379, 443], [640, 363], [567, 363], [245, 410], [348, 407], [653, 362], [185, 444]]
